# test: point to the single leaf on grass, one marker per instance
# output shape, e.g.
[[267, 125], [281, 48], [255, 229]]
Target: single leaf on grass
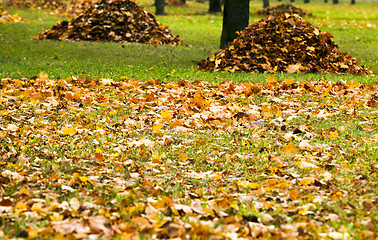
[[247, 184], [166, 115], [69, 131], [289, 148], [156, 128], [306, 182]]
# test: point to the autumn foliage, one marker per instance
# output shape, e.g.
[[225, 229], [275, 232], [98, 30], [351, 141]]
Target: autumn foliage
[[6, 17], [283, 8], [113, 21], [283, 43], [72, 8], [34, 4], [98, 158]]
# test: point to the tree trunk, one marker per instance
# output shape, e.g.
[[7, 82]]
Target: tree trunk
[[335, 1], [292, 1], [306, 1], [215, 6], [183, 1], [325, 1], [235, 18], [160, 7], [353, 2], [266, 3]]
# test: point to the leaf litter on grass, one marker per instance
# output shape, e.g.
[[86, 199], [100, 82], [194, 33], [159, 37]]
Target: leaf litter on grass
[[72, 8], [6, 17], [34, 4], [284, 8], [101, 158], [283, 43], [113, 21]]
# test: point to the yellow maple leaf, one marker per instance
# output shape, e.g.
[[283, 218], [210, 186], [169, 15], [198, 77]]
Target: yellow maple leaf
[[306, 182], [55, 217], [69, 131], [333, 135], [166, 115], [247, 184], [289, 148], [156, 128]]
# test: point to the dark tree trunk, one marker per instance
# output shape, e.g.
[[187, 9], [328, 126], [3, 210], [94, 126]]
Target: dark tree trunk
[[292, 1], [215, 6], [335, 1], [325, 1], [353, 2], [279, 0], [183, 1], [266, 3], [235, 18], [160, 7], [306, 1]]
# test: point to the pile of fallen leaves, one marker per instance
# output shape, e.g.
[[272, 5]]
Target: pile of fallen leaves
[[175, 3], [34, 4], [103, 159], [283, 43], [116, 21], [283, 8], [6, 17], [72, 8]]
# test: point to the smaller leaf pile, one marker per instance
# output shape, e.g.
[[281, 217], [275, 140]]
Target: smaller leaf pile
[[72, 8], [283, 8], [6, 17], [283, 43], [175, 3], [113, 21], [34, 4]]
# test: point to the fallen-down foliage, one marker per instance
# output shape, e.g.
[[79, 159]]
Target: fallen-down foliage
[[283, 43], [115, 21], [284, 160], [284, 8], [34, 4], [72, 8], [6, 17]]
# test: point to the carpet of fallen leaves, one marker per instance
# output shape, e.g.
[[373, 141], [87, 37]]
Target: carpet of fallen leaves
[[283, 43], [6, 17], [34, 4], [113, 21], [97, 158], [284, 8], [72, 8]]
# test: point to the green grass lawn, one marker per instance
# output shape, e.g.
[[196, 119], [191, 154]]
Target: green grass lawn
[[163, 151], [23, 56]]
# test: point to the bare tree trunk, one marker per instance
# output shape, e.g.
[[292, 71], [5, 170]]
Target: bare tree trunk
[[160, 7], [235, 18], [215, 6], [306, 1], [266, 3], [353, 2], [335, 1]]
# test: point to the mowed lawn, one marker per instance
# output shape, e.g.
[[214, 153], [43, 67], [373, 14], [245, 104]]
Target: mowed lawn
[[131, 141]]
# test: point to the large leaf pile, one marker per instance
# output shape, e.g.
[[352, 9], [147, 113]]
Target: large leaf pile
[[6, 17], [72, 8], [283, 8], [108, 20], [96, 159], [34, 4], [283, 43]]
